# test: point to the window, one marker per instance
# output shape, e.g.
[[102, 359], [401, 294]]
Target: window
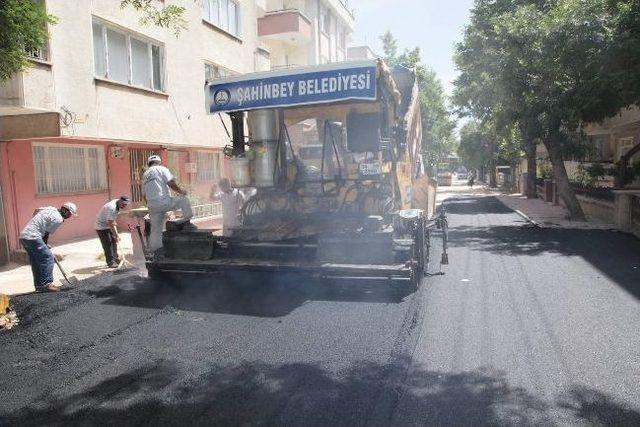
[[213, 71], [224, 14], [64, 168], [126, 58], [325, 20], [342, 38], [41, 53], [208, 166]]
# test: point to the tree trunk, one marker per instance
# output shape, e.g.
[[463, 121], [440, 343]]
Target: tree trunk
[[493, 182], [562, 180], [532, 172]]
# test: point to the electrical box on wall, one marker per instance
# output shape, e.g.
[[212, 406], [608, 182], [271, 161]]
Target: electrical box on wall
[[191, 167], [117, 152]]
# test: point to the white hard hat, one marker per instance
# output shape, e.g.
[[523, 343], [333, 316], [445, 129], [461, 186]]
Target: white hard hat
[[154, 158], [71, 207]]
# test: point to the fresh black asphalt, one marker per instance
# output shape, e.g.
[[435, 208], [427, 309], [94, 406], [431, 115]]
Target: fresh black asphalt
[[527, 326]]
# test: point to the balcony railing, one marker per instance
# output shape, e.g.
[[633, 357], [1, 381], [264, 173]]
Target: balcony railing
[[40, 54], [207, 210]]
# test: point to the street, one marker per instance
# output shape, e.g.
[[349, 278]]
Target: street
[[527, 326]]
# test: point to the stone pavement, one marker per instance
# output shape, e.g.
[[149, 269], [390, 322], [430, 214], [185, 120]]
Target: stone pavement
[[81, 258]]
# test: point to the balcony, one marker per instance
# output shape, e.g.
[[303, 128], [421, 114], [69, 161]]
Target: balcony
[[29, 91], [288, 26]]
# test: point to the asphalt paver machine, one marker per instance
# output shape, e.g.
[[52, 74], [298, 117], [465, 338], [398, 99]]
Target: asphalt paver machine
[[330, 159]]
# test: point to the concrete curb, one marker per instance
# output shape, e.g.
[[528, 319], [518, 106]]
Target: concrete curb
[[524, 216]]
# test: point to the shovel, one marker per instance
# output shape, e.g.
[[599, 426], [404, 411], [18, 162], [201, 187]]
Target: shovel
[[73, 280]]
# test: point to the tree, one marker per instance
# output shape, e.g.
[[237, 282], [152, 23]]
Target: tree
[[169, 16], [23, 28], [389, 47], [547, 65], [438, 126], [473, 149]]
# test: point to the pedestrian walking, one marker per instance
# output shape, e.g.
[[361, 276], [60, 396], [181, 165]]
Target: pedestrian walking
[[232, 200], [157, 180], [34, 238], [472, 179], [107, 229]]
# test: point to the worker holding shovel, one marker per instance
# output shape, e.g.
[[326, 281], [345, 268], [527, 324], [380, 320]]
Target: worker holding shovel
[[107, 229], [34, 238]]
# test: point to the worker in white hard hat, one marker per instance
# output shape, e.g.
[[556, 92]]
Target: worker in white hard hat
[[156, 182], [35, 241]]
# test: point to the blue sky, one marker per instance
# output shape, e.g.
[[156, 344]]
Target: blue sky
[[433, 25]]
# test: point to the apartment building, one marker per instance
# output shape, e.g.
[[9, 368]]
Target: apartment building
[[105, 93], [306, 32]]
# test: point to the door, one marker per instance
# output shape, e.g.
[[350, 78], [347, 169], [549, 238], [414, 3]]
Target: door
[[137, 165], [4, 241]]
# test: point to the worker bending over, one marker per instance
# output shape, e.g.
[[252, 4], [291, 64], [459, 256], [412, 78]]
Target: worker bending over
[[232, 200], [107, 229], [156, 182], [34, 239]]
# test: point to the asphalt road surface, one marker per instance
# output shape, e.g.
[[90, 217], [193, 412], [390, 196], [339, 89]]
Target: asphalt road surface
[[527, 326]]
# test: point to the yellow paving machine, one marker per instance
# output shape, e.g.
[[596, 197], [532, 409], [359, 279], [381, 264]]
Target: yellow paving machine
[[330, 160]]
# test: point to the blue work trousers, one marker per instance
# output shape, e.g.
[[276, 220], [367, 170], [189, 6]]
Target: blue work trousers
[[41, 259]]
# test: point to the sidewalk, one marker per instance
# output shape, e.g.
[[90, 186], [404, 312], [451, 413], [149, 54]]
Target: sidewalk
[[548, 215], [82, 258]]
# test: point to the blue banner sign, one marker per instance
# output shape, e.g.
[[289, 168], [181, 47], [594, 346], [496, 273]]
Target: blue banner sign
[[339, 82]]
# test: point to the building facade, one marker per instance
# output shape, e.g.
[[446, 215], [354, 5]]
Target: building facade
[[107, 91], [306, 32]]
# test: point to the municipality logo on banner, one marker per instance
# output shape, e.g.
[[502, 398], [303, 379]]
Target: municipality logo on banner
[[284, 89]]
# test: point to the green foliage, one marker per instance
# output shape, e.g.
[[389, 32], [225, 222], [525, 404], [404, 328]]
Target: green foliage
[[584, 178], [168, 16], [23, 28], [596, 171], [545, 171], [389, 47], [438, 125], [554, 64], [474, 146], [549, 66]]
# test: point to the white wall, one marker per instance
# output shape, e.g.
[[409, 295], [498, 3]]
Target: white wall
[[115, 111]]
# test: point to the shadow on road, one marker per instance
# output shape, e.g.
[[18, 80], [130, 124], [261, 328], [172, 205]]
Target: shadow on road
[[250, 294], [615, 254], [305, 394]]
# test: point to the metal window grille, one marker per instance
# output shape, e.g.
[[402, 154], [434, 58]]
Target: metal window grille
[[40, 54], [68, 168], [208, 166], [137, 165]]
